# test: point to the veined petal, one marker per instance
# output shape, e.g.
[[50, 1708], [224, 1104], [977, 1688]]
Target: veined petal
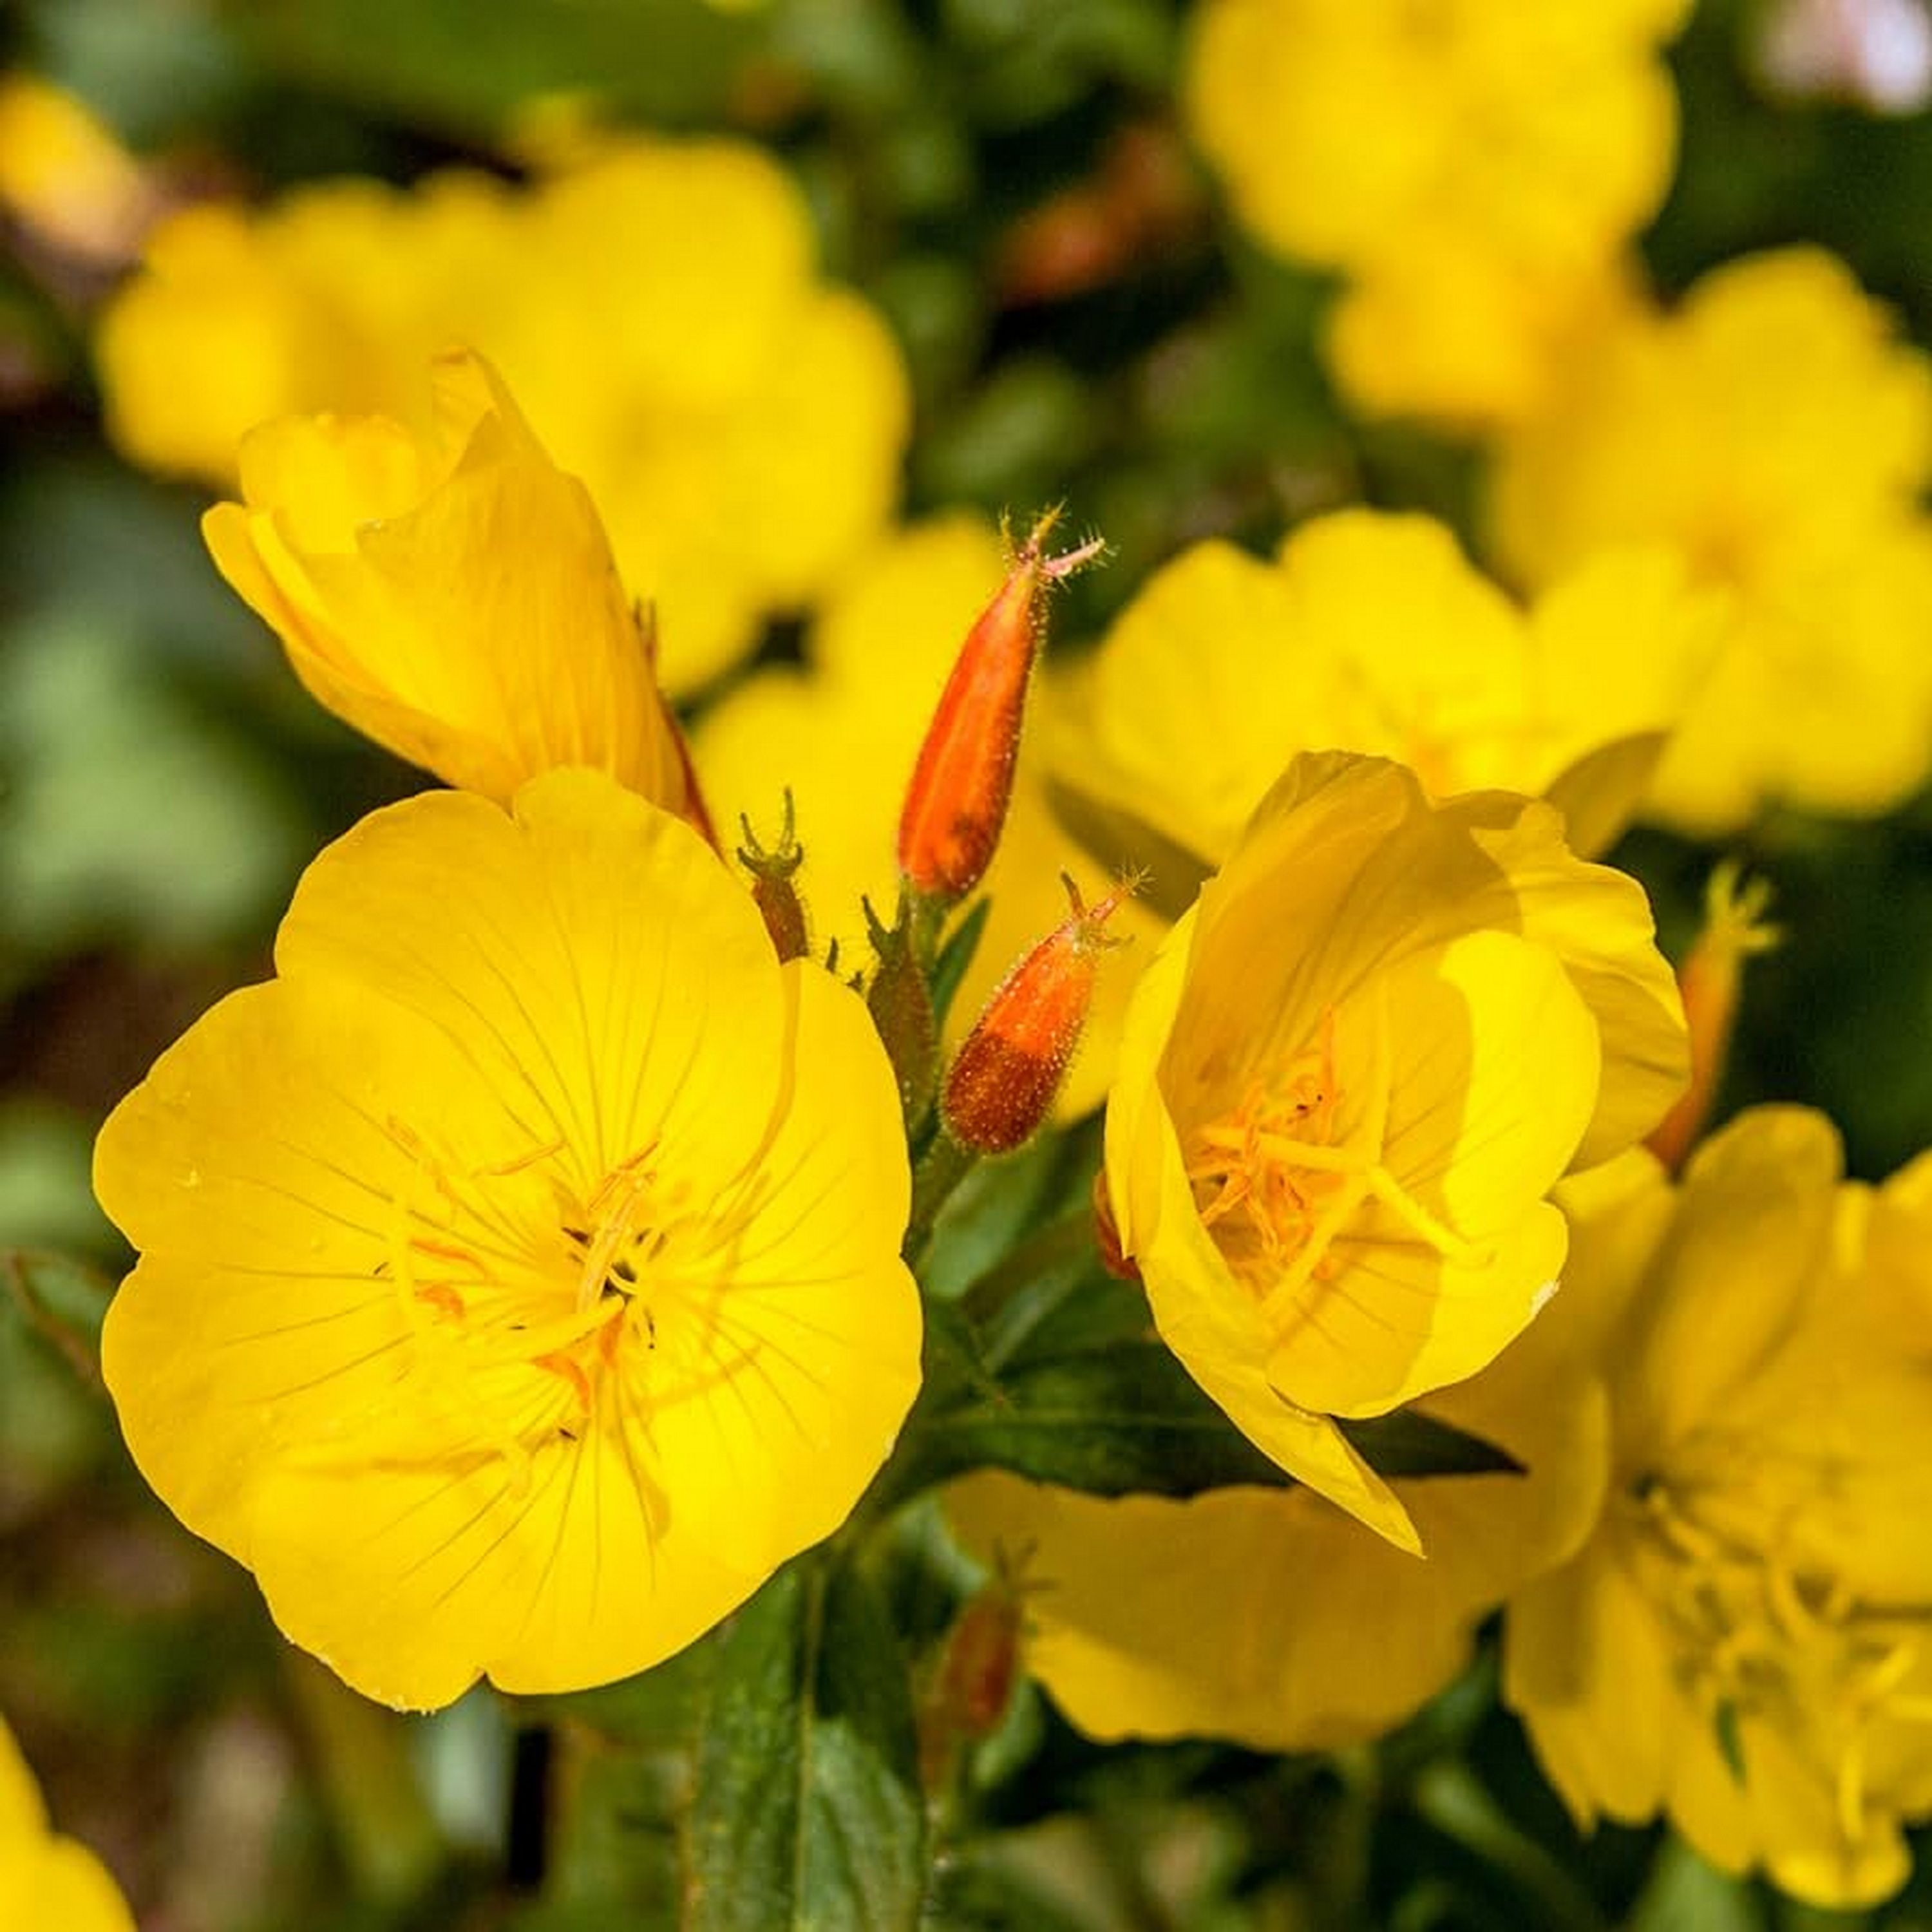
[[456, 599], [551, 980], [805, 1356], [532, 1146], [1215, 1326], [1493, 1073]]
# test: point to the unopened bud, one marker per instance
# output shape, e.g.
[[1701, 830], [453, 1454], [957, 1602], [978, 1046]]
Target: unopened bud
[[1710, 980], [956, 804], [978, 1670], [1001, 1086], [772, 891], [901, 1004]]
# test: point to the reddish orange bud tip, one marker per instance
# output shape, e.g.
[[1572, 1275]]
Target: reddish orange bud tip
[[1001, 1085], [956, 804]]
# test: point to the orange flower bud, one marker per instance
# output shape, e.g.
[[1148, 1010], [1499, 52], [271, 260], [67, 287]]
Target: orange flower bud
[[956, 803], [1000, 1087], [1710, 980]]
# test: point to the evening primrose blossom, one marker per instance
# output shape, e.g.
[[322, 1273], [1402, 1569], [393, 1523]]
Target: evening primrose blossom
[[1775, 433], [1268, 1616], [520, 1280], [453, 596], [1745, 1642], [1372, 632], [1473, 171], [656, 303], [46, 1880], [1349, 1078]]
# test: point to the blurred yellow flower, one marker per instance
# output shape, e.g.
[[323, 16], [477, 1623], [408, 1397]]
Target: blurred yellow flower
[[1349, 1078], [1743, 1642], [453, 596], [520, 1280], [1371, 632], [46, 1880], [654, 304], [1472, 169], [1269, 1617], [1775, 433], [65, 176], [844, 734]]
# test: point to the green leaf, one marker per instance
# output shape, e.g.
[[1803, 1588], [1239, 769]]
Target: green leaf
[[1686, 1895], [806, 1813], [1117, 1420], [1410, 1443]]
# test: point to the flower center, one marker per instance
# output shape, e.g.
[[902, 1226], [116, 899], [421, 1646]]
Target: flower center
[[525, 1299], [1279, 1179], [1761, 1633]]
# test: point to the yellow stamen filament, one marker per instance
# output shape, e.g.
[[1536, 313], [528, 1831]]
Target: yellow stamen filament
[[1759, 1635], [1282, 1163]]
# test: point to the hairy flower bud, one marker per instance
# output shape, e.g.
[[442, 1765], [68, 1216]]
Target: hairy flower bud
[[1000, 1086], [773, 892], [956, 804]]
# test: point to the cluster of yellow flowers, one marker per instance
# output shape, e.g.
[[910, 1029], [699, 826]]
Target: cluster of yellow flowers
[[654, 302], [1472, 169], [534, 1252]]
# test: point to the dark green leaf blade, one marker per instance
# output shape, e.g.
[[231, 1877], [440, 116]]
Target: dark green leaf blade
[[806, 1812], [1411, 1443]]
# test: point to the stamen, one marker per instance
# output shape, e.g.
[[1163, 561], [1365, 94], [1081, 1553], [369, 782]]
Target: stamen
[[1280, 1161]]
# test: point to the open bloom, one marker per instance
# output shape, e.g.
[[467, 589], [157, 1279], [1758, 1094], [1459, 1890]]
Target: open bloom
[[1269, 1617], [1473, 169], [453, 596], [1776, 434], [1371, 632], [46, 1880], [1349, 1078], [655, 304], [519, 1281], [1745, 1642]]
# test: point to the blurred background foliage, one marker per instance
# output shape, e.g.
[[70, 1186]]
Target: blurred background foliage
[[1007, 179]]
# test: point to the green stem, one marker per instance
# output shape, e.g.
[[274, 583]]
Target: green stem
[[942, 1166], [1449, 1797], [389, 1836]]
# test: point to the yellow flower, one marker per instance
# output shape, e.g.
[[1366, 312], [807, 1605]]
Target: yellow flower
[[519, 1282], [1473, 169], [1349, 1078], [1268, 1616], [46, 1880], [844, 733], [1370, 632], [65, 176], [453, 597], [1776, 434], [1743, 1642], [654, 304]]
